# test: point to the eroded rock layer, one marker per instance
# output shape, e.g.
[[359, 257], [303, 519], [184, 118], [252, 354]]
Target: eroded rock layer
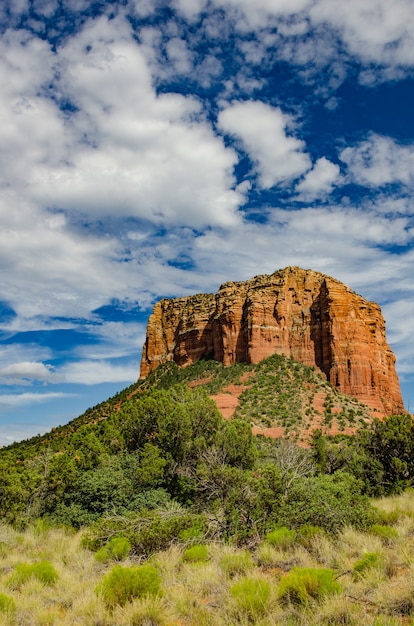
[[302, 314]]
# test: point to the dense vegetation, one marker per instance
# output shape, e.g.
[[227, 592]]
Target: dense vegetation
[[157, 466], [305, 577], [161, 443]]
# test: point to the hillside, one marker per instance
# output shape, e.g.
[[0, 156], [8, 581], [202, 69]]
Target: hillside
[[163, 426], [277, 396]]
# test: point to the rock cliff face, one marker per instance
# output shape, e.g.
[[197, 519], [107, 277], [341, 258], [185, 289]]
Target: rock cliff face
[[301, 314]]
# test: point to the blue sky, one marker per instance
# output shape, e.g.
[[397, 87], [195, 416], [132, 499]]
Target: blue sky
[[154, 149]]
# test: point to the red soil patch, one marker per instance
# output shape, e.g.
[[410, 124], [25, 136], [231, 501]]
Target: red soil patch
[[228, 400], [201, 381], [273, 433]]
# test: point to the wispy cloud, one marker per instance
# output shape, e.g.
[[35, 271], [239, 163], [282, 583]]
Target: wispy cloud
[[27, 399]]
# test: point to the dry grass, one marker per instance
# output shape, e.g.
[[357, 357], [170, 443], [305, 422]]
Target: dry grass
[[200, 593]]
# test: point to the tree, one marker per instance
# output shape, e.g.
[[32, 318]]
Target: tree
[[389, 444]]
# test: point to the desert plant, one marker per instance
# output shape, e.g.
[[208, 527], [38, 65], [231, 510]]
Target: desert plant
[[368, 561], [149, 611], [147, 531], [7, 604], [281, 537], [303, 584], [117, 549], [307, 533], [42, 571], [251, 596], [386, 533], [196, 554], [236, 562], [123, 584]]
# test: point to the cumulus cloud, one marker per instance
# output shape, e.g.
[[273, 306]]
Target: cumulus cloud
[[86, 138], [373, 30], [319, 181], [379, 161], [120, 149], [262, 130], [324, 33], [18, 373], [133, 152]]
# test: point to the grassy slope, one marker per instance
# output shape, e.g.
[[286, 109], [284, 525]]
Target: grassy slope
[[203, 593], [278, 392]]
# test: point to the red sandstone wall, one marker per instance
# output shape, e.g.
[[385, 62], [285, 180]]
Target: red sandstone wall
[[302, 314]]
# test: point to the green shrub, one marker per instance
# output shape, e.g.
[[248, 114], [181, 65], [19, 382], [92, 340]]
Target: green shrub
[[194, 532], [7, 604], [307, 533], [329, 501], [117, 549], [147, 531], [196, 554], [123, 584], [367, 561], [43, 571], [252, 596], [236, 563], [303, 584], [281, 537], [386, 533]]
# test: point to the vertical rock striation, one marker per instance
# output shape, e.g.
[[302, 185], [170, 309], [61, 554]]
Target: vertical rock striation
[[302, 314]]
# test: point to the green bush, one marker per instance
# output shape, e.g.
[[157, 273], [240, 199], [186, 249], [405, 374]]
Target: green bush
[[236, 563], [117, 549], [386, 533], [252, 596], [329, 501], [281, 537], [367, 561], [196, 554], [7, 604], [43, 571], [307, 533], [148, 531], [194, 532], [123, 584], [303, 584]]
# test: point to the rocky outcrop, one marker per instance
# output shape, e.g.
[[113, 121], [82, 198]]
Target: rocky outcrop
[[302, 314]]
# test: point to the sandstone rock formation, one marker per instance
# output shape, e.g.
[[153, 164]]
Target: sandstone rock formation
[[302, 314]]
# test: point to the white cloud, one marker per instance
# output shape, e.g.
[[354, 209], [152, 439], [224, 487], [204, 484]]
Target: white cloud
[[97, 372], [373, 30], [250, 16], [27, 371], [320, 180], [179, 55], [142, 8], [27, 399], [325, 33], [379, 161], [261, 128], [123, 152], [189, 8], [148, 156]]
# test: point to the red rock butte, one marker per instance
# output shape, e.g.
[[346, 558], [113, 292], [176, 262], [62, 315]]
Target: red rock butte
[[302, 314]]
